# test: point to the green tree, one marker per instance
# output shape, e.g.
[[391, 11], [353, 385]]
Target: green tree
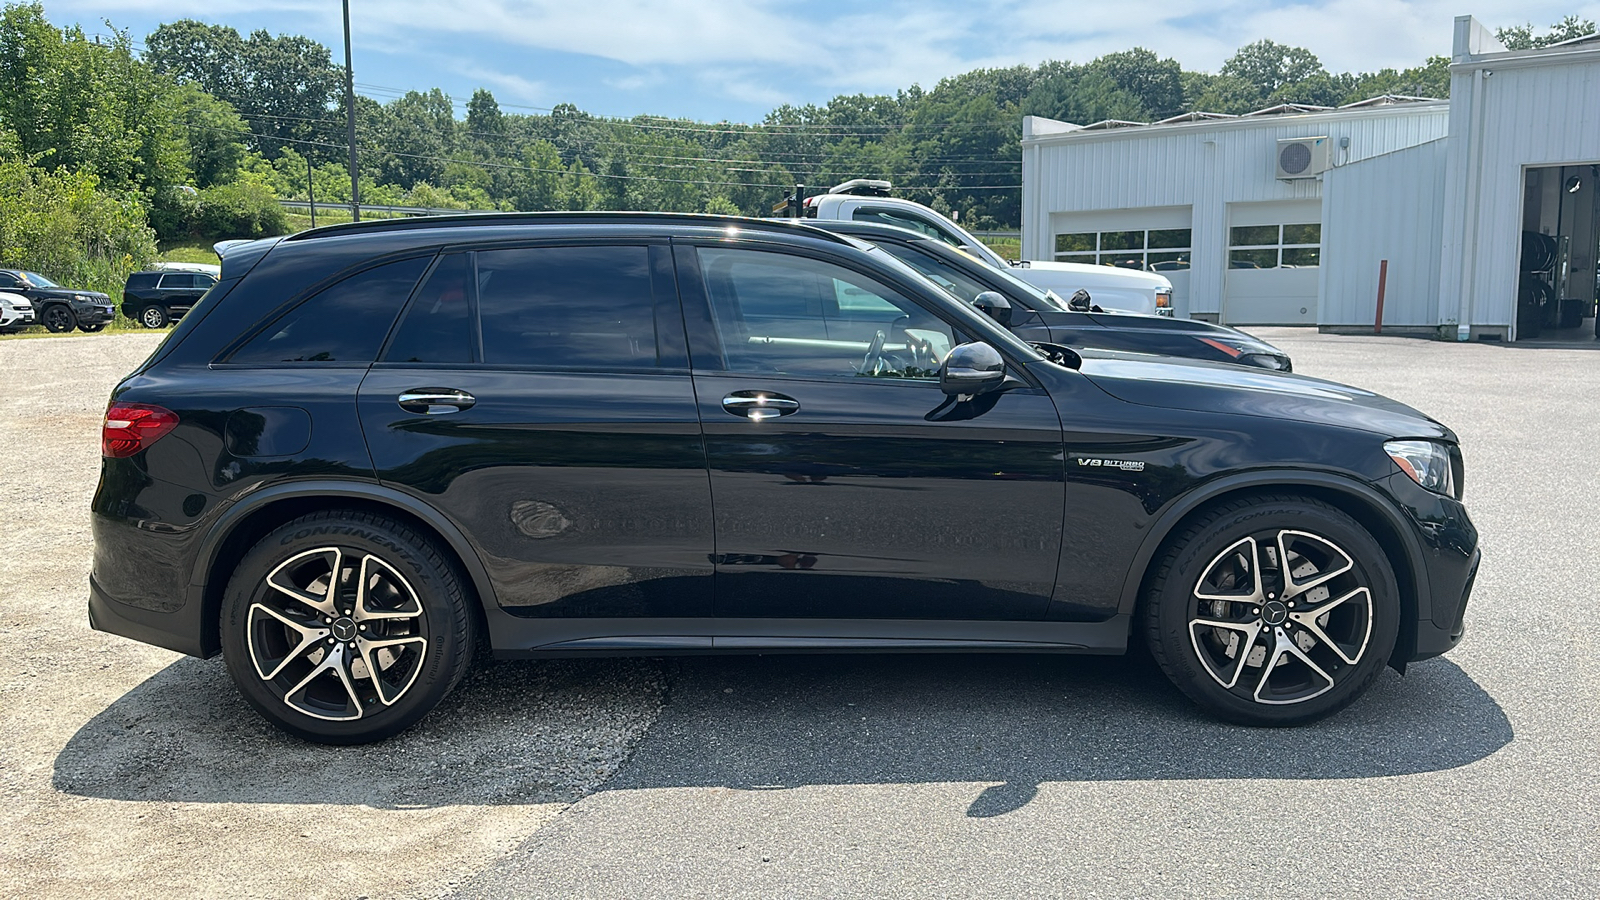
[[1522, 37], [1270, 66], [215, 136], [284, 86]]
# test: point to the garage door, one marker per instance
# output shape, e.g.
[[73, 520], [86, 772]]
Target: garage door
[[1152, 240], [1274, 250]]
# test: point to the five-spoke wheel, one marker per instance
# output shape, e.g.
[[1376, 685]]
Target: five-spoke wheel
[[347, 633], [1273, 611]]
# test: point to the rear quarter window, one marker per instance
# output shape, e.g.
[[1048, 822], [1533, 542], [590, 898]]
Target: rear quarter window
[[343, 324]]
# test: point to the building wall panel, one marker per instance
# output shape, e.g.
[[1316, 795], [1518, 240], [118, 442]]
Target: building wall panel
[[1388, 207]]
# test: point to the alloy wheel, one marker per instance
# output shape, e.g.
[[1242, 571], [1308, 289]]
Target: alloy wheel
[[336, 633], [1281, 617]]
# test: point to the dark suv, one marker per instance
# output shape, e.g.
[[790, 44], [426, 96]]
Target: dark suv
[[59, 309], [156, 298], [374, 445]]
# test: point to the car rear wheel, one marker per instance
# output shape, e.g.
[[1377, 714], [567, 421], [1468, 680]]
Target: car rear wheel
[[344, 627], [59, 319], [1273, 611], [153, 317]]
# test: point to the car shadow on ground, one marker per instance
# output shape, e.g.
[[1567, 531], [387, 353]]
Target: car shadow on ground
[[512, 733], [778, 722], [528, 732]]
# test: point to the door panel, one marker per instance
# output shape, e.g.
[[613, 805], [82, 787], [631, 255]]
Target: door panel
[[584, 493], [845, 482], [881, 499], [573, 457]]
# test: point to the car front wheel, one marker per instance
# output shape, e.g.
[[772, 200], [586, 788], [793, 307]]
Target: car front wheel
[[59, 319], [1273, 610], [153, 317], [344, 627]]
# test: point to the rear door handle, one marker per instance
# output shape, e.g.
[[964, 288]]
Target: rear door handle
[[759, 405], [435, 401]]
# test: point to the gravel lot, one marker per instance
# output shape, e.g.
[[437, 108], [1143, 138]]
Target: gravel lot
[[131, 771], [126, 770]]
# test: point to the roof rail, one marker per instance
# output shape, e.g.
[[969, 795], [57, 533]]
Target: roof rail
[[480, 220]]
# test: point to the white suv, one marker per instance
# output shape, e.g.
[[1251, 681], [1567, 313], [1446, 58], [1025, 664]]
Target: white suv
[[1121, 290]]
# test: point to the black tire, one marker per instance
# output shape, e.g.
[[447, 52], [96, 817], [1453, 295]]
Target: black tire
[[59, 319], [1294, 646], [303, 663], [154, 317], [91, 329]]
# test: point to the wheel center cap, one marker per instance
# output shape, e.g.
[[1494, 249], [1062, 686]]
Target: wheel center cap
[[344, 628], [1274, 612]]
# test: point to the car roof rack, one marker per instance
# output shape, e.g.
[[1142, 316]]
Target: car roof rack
[[481, 220], [865, 187]]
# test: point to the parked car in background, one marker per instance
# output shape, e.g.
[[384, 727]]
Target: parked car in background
[[868, 200], [162, 293], [16, 313], [1038, 315], [59, 309], [378, 447]]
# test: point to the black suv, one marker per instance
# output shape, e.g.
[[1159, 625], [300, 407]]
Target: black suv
[[156, 298], [59, 309], [1035, 314], [373, 445]]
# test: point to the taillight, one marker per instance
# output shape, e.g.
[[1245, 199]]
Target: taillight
[[132, 427]]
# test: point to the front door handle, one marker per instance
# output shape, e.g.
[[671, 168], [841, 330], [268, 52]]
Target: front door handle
[[759, 405], [435, 401]]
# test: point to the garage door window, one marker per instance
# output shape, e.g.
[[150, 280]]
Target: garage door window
[[1275, 246], [1156, 249]]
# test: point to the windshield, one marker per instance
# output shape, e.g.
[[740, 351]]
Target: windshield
[[985, 325], [37, 280], [1046, 300]]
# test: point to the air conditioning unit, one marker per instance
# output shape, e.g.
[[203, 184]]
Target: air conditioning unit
[[1302, 157]]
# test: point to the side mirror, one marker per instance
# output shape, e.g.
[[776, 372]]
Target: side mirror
[[1080, 301], [971, 369], [995, 306]]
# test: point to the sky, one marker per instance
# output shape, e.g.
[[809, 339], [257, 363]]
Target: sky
[[735, 60]]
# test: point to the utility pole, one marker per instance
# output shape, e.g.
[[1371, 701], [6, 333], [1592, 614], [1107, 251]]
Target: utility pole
[[311, 193], [350, 119]]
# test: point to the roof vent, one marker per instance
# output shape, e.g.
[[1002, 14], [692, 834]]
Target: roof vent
[[1302, 157]]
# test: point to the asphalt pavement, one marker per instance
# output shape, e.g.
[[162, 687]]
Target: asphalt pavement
[[1474, 775]]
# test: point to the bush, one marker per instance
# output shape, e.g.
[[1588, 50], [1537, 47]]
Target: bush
[[63, 225], [243, 209], [173, 214]]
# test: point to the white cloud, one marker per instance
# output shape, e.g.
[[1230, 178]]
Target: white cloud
[[770, 51]]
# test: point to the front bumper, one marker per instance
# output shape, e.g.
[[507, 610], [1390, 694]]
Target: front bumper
[[94, 313]]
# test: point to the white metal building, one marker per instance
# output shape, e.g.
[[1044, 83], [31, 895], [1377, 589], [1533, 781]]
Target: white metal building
[[1288, 215]]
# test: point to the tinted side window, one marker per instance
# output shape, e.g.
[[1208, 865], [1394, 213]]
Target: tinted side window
[[344, 323], [567, 306], [178, 280], [859, 327], [204, 281], [140, 281], [7, 280], [437, 326]]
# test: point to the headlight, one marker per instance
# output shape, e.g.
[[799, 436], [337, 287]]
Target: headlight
[[80, 298], [1427, 463]]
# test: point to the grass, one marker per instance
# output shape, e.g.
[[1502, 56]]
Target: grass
[[1008, 248]]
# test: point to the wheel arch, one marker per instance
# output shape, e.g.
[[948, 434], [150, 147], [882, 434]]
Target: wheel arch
[[1361, 502], [254, 517]]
